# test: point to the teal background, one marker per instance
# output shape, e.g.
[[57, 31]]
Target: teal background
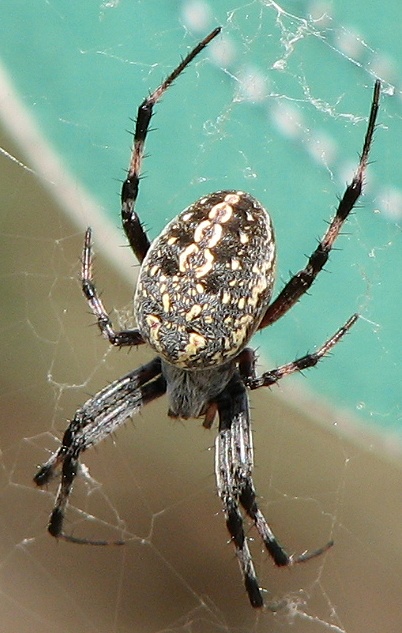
[[82, 69]]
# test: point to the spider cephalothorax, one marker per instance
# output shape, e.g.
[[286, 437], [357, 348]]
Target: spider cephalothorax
[[204, 288]]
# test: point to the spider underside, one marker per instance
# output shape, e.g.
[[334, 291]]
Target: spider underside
[[204, 288]]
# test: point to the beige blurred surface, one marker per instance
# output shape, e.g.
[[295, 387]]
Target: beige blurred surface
[[155, 478]]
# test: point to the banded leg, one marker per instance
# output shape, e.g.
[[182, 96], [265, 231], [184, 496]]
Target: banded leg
[[233, 467], [305, 362], [301, 282], [133, 228], [94, 421], [118, 338], [233, 463]]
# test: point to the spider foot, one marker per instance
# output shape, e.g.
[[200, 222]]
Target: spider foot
[[310, 554], [253, 592], [55, 529], [44, 475], [48, 470]]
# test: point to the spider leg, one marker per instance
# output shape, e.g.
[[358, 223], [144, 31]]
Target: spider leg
[[305, 362], [133, 228], [94, 421], [233, 468], [117, 338], [233, 464], [301, 282]]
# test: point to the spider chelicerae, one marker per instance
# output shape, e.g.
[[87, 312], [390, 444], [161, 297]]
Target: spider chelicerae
[[204, 288]]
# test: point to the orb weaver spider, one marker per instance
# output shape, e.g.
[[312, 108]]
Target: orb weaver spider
[[204, 289]]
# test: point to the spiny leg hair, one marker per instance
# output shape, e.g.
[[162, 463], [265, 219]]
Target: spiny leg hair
[[133, 228], [234, 461], [96, 419], [102, 414], [301, 282], [117, 338], [271, 377]]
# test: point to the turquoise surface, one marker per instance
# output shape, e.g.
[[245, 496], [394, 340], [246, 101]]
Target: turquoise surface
[[279, 111]]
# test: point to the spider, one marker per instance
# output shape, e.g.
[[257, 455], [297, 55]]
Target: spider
[[204, 289]]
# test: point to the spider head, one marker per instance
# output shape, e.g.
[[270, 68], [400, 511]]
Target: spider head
[[206, 281]]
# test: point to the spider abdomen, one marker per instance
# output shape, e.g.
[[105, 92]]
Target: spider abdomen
[[206, 280]]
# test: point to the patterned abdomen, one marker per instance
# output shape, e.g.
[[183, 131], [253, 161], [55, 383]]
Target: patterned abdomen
[[206, 281]]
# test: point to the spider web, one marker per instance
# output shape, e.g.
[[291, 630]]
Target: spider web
[[326, 475]]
